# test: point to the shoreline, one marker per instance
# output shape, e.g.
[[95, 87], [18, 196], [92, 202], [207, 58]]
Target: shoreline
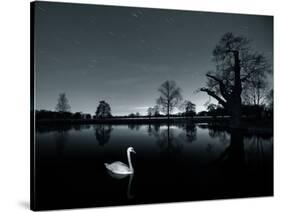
[[248, 124], [139, 120]]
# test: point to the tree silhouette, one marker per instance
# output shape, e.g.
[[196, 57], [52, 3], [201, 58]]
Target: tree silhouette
[[62, 105], [269, 98], [103, 110], [211, 108], [236, 63], [188, 107], [254, 92], [170, 97], [77, 115], [156, 110], [149, 112], [131, 115]]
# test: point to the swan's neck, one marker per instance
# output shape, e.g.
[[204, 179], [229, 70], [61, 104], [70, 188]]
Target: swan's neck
[[129, 161]]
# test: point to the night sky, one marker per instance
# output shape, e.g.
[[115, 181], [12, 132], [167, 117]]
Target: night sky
[[122, 55]]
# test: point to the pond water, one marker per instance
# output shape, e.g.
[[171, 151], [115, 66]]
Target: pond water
[[172, 163]]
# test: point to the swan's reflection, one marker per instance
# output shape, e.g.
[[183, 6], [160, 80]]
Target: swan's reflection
[[122, 176]]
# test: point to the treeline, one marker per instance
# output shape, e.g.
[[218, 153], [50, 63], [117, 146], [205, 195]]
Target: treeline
[[55, 115], [248, 111]]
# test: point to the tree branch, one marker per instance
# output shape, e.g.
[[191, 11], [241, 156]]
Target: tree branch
[[246, 76], [222, 86], [212, 94]]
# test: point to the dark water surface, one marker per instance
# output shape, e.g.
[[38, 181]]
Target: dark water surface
[[175, 163]]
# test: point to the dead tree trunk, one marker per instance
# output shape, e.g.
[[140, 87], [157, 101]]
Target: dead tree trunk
[[235, 101], [230, 99]]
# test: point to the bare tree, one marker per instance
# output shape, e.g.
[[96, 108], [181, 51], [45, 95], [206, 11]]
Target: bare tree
[[254, 92], [269, 99], [235, 64], [170, 97], [62, 105]]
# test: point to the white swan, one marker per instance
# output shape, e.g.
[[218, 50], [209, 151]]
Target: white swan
[[121, 168]]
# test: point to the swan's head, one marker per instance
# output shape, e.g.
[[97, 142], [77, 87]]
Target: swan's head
[[131, 149]]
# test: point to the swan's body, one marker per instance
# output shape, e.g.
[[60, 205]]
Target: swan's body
[[118, 168], [122, 168]]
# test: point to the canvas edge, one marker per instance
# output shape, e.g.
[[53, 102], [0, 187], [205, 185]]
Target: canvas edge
[[32, 108]]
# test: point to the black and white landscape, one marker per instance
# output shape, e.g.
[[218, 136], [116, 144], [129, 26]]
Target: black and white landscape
[[191, 92]]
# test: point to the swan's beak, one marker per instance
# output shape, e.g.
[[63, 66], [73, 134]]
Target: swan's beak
[[133, 151]]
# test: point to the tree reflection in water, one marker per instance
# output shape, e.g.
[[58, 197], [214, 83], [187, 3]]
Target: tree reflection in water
[[234, 154], [134, 127], [61, 138], [190, 132], [166, 139], [259, 148], [240, 142], [217, 131], [245, 156], [103, 133], [153, 129]]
